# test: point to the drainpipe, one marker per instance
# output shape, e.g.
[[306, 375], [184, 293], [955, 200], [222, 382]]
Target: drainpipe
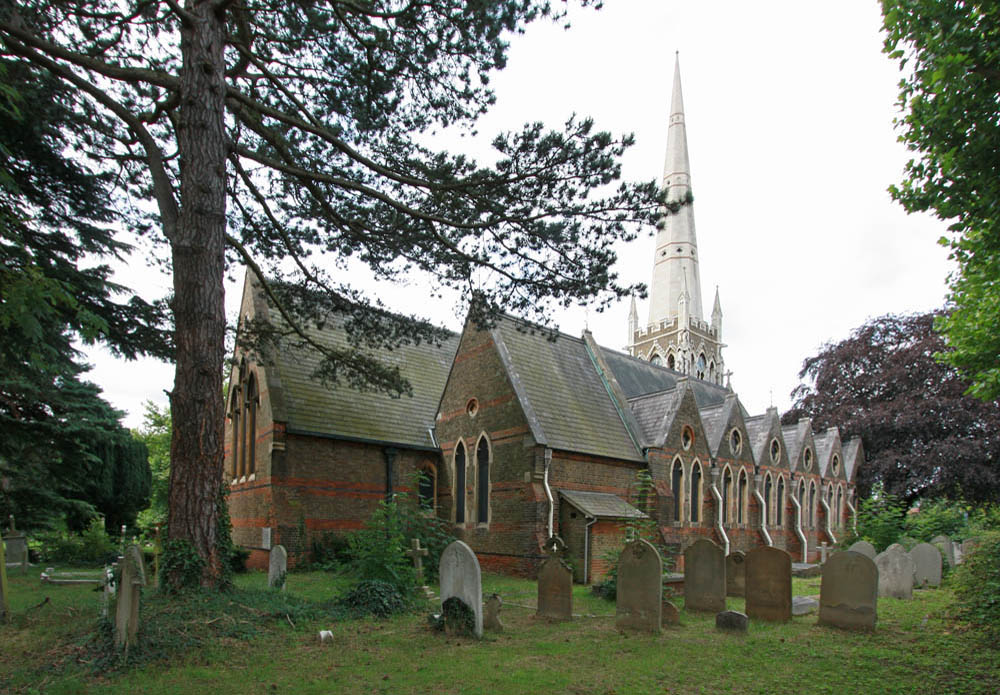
[[854, 514], [758, 480], [586, 549], [718, 508], [829, 528], [548, 490], [798, 527]]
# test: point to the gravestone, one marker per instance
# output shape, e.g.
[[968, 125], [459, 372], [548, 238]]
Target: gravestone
[[704, 577], [865, 548], [555, 586], [732, 621], [895, 573], [848, 594], [927, 565], [133, 578], [639, 605], [491, 616], [769, 584], [462, 579], [824, 552], [17, 549], [803, 605], [946, 547], [736, 574], [671, 615], [277, 567], [896, 548]]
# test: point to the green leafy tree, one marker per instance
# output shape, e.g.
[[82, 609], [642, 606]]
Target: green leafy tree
[[291, 136], [950, 54], [155, 434]]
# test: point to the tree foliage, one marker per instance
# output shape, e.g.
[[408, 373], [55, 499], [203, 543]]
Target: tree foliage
[[922, 436], [293, 137], [155, 434], [950, 53]]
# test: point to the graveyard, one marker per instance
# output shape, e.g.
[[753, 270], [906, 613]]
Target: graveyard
[[263, 637]]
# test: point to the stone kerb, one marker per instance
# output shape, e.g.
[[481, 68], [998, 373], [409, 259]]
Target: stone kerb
[[639, 603], [769, 584], [555, 589], [736, 574], [704, 577], [848, 595], [895, 574], [133, 578], [277, 567], [927, 565], [461, 578], [865, 548]]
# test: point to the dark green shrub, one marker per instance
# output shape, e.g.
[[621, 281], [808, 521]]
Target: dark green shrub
[[881, 520], [374, 597], [92, 546], [937, 518], [378, 549], [976, 583], [238, 559], [330, 551]]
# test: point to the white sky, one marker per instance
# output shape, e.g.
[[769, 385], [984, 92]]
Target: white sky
[[789, 108]]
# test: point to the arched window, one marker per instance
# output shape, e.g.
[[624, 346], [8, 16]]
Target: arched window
[[677, 485], [801, 494], [702, 366], [427, 488], [727, 490], [840, 506], [483, 481], [741, 498], [657, 360], [780, 506], [767, 499], [711, 371], [234, 414], [250, 420], [812, 504], [695, 493], [459, 490], [671, 361]]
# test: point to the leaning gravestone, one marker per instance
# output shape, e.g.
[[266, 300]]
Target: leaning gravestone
[[555, 588], [133, 578], [895, 573], [927, 565], [462, 579], [639, 603], [946, 547], [704, 577], [736, 574], [848, 594], [769, 584], [277, 567], [865, 548]]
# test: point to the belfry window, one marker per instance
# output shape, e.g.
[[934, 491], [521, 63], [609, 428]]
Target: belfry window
[[702, 366], [670, 361], [657, 360]]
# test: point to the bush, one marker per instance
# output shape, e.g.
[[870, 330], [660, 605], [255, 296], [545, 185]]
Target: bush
[[881, 520], [90, 547], [938, 518], [374, 597], [378, 550], [330, 551], [976, 583]]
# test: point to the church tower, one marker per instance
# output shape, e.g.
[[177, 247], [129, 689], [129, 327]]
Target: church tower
[[677, 335]]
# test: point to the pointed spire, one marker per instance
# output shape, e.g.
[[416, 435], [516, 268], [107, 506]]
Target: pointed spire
[[633, 322], [717, 315]]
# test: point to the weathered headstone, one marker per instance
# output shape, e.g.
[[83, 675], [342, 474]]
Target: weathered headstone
[[491, 616], [927, 565], [671, 615], [896, 548], [947, 548], [133, 578], [803, 605], [736, 574], [462, 579], [895, 573], [865, 548], [17, 549], [769, 584], [277, 567], [639, 604], [555, 587], [732, 621], [704, 577], [848, 595]]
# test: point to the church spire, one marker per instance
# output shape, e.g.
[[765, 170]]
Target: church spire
[[717, 315], [633, 322], [676, 242]]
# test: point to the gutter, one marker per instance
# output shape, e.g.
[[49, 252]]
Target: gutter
[[718, 508], [829, 529], [798, 527], [758, 480], [548, 490]]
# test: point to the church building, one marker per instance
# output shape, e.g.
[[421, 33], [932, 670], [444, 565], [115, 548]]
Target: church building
[[513, 437]]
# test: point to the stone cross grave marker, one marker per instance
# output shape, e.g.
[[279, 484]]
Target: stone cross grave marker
[[769, 584], [927, 565], [417, 554], [704, 577], [824, 551], [848, 594], [461, 578], [277, 567], [639, 604], [133, 578], [895, 573], [555, 583], [736, 574], [947, 548], [865, 548]]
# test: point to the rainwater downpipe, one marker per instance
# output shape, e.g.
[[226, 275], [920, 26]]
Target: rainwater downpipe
[[798, 527], [829, 527], [586, 548], [718, 509], [854, 515], [758, 480], [548, 490]]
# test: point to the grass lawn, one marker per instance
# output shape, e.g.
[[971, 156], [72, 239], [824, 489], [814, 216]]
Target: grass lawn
[[256, 641]]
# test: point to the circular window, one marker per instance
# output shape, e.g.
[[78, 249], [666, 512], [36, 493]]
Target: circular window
[[687, 438], [775, 450], [808, 459], [472, 407], [836, 465], [735, 442]]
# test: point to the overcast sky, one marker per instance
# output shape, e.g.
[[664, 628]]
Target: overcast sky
[[789, 109]]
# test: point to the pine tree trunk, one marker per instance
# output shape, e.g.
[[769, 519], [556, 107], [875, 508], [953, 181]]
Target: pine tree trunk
[[198, 266]]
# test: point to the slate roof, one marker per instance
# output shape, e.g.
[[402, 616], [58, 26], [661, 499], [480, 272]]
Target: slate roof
[[640, 377], [602, 505], [852, 454], [758, 431], [824, 446], [713, 421], [344, 412], [562, 392], [652, 410]]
